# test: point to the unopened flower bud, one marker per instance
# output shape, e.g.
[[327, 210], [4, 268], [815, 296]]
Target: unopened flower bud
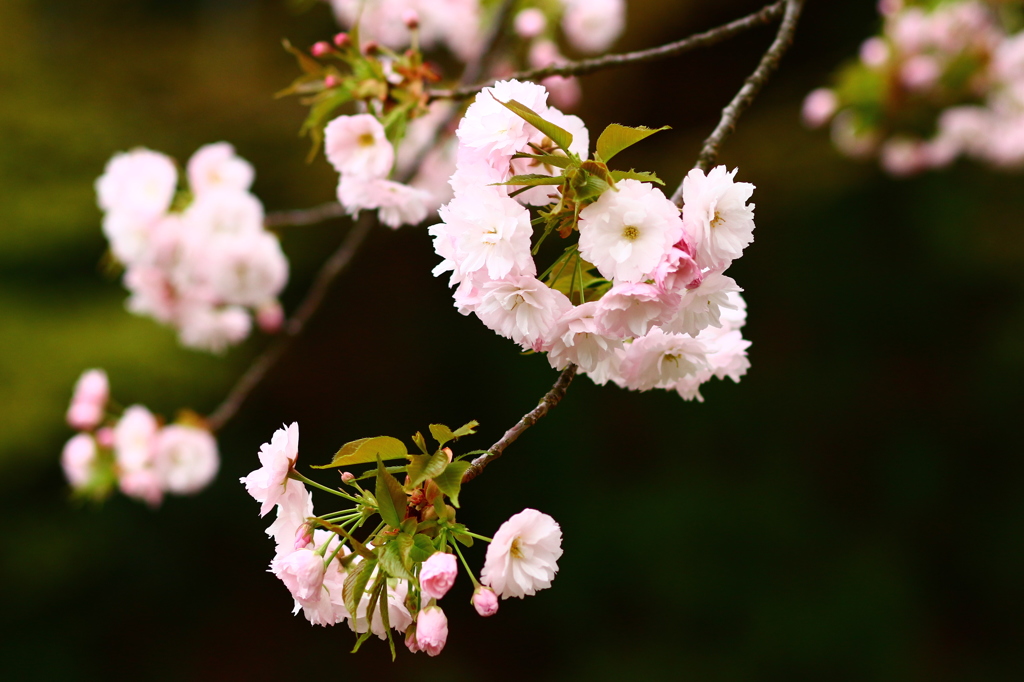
[[432, 630], [485, 601], [370, 47], [411, 19], [105, 437], [410, 639], [270, 316], [342, 40], [321, 49], [437, 575], [332, 82], [347, 477], [78, 459], [530, 23], [303, 536]]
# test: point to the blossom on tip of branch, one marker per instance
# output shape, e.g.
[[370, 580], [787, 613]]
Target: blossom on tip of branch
[[485, 601], [267, 484], [717, 218], [523, 556]]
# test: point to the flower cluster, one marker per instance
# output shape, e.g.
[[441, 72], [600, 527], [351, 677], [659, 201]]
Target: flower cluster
[[135, 451], [642, 299], [197, 260], [392, 579], [943, 79]]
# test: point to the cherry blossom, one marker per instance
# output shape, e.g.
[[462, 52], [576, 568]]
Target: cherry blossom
[[523, 557]]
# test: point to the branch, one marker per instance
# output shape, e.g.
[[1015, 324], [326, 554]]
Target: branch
[[306, 216], [550, 399], [586, 66], [294, 326], [745, 97], [490, 42]]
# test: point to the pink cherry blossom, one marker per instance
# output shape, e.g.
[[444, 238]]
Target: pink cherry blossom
[[431, 630], [593, 25], [437, 575], [485, 601], [717, 217], [185, 458], [522, 308], [267, 484], [523, 556], [78, 459], [357, 145], [216, 166], [661, 360], [140, 182], [302, 572]]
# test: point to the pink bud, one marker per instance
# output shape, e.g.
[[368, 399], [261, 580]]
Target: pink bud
[[84, 415], [347, 476], [105, 437], [432, 630], [410, 639], [302, 572], [92, 387], [485, 601], [270, 315], [342, 40], [78, 459], [438, 575], [530, 23], [331, 82], [303, 536], [411, 19], [819, 106], [321, 49]]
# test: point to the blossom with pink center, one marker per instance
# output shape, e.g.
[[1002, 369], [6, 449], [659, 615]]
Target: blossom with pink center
[[593, 25], [216, 166], [717, 218], [78, 459], [431, 630], [357, 145], [702, 306], [523, 557], [678, 271], [267, 484], [629, 310], [92, 390], [185, 458], [487, 231], [661, 360], [140, 182], [522, 308], [485, 601], [437, 575], [628, 230]]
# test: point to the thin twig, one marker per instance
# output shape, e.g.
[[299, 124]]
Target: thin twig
[[550, 399], [585, 66], [305, 216], [751, 87], [293, 327]]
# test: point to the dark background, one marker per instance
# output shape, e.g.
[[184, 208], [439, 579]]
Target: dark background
[[851, 511]]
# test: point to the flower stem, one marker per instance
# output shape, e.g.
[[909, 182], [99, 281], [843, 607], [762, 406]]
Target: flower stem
[[472, 577], [308, 481]]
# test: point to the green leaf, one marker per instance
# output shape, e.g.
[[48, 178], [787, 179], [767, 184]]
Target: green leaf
[[467, 429], [367, 450], [617, 137], [532, 180], [441, 433], [642, 176], [391, 499], [421, 443], [355, 584], [450, 481], [421, 549], [463, 538], [424, 467], [378, 585], [409, 526], [392, 564], [405, 544], [560, 136], [306, 63], [556, 160], [386, 622]]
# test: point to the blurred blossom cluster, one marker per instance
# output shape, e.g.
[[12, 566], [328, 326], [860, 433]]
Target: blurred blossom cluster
[[197, 259], [133, 450], [943, 79], [642, 299]]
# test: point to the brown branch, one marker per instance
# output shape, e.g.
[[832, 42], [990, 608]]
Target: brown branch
[[305, 216], [751, 87], [550, 399], [490, 42], [294, 326], [586, 66]]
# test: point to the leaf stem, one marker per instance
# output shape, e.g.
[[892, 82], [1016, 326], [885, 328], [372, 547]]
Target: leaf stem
[[308, 481]]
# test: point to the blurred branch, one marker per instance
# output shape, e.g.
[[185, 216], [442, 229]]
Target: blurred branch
[[306, 216], [585, 66], [294, 326], [751, 87], [550, 399], [490, 42]]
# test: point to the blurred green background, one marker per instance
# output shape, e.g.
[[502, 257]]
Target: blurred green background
[[852, 510]]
